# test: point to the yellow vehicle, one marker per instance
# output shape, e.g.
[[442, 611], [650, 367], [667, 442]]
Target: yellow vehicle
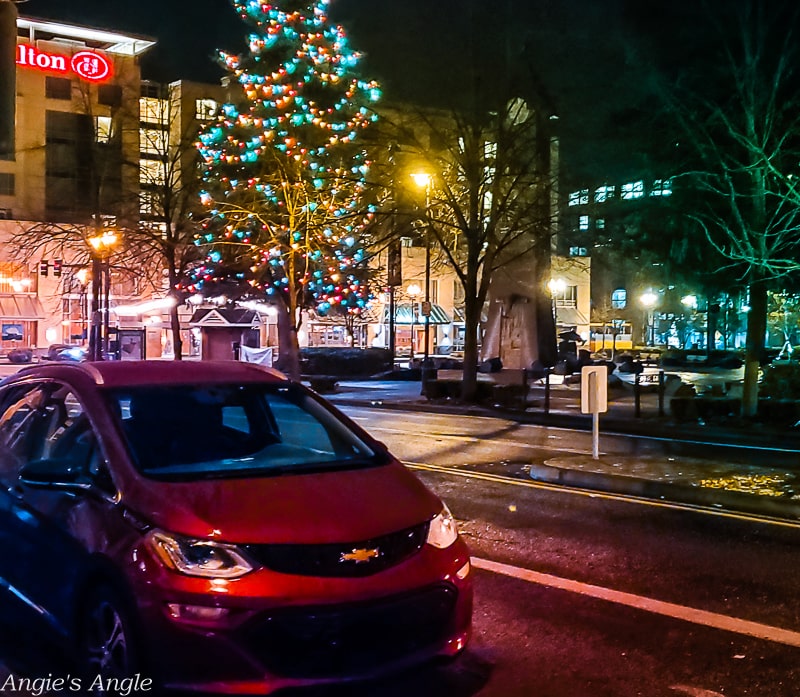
[[612, 336]]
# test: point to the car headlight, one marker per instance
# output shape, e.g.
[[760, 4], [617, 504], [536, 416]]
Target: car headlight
[[204, 558], [442, 531]]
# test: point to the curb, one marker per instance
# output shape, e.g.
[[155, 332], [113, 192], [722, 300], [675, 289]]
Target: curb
[[608, 424], [681, 493]]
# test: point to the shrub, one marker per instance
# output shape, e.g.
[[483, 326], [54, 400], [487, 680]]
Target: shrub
[[344, 361], [781, 381]]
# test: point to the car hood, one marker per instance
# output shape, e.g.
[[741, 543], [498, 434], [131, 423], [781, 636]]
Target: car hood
[[317, 508]]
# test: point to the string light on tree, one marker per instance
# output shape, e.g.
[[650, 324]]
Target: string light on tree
[[284, 174]]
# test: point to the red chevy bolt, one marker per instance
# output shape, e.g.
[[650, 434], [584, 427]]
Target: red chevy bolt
[[214, 526]]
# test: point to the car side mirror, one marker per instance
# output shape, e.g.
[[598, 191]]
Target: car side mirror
[[54, 474]]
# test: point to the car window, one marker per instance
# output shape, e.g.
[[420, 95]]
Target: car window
[[19, 421], [49, 423], [211, 431], [299, 425]]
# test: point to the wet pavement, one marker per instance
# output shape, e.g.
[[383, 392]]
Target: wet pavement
[[717, 478]]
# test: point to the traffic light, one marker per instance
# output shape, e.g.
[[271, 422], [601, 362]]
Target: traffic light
[[56, 267], [44, 267]]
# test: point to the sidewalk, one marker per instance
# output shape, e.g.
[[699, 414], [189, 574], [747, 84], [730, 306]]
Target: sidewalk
[[762, 490]]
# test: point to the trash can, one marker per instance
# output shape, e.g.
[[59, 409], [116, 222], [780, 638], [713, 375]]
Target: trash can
[[428, 373]]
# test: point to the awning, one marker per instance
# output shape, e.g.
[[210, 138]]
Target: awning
[[19, 306], [407, 313], [571, 317]]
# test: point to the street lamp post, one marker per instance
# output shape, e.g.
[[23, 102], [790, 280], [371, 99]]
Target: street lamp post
[[414, 292], [690, 303], [648, 301], [556, 286], [423, 180], [82, 276], [101, 245], [392, 331]]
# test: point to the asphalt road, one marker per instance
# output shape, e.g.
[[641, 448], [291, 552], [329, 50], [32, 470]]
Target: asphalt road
[[587, 596], [580, 593], [507, 445], [583, 594]]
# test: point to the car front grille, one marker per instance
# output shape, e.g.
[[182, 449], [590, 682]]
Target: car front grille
[[352, 639], [347, 560]]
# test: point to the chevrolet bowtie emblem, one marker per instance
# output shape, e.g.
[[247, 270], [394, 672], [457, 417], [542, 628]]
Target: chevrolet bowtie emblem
[[359, 556]]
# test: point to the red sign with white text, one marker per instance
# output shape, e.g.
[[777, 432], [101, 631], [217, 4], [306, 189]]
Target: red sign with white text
[[88, 65]]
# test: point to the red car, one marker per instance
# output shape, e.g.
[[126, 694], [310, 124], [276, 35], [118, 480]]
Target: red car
[[214, 526]]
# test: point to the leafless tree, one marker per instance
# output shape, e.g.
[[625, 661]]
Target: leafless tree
[[149, 205], [744, 126], [488, 200], [162, 242]]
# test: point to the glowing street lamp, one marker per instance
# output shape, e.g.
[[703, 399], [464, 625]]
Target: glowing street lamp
[[648, 301], [556, 286], [421, 179]]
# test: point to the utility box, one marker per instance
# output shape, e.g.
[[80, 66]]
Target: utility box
[[594, 389]]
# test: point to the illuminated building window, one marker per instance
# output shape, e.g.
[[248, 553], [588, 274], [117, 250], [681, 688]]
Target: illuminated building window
[[603, 193], [15, 278], [632, 190], [619, 299], [578, 252], [148, 202], [152, 110], [583, 222], [153, 141], [151, 172], [661, 187], [57, 88], [102, 128], [600, 223], [579, 198], [205, 109], [569, 298]]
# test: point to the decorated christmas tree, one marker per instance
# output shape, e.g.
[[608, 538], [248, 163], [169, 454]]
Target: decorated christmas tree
[[284, 172]]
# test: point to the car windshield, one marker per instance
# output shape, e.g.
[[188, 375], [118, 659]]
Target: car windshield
[[208, 431]]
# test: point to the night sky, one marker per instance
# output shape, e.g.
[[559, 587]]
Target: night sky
[[188, 33], [586, 56], [405, 40]]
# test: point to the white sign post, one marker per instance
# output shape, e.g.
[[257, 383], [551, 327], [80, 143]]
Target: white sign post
[[594, 399]]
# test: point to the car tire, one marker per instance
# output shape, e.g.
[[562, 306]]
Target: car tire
[[107, 640]]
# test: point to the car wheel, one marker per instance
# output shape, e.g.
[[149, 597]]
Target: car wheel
[[107, 642]]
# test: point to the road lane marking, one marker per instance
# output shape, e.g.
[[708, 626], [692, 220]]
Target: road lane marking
[[695, 691], [611, 496], [639, 602]]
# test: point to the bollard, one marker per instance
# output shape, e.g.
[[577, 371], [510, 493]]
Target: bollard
[[637, 397], [547, 390]]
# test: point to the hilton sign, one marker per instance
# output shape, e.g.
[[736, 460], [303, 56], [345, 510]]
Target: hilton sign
[[88, 65]]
